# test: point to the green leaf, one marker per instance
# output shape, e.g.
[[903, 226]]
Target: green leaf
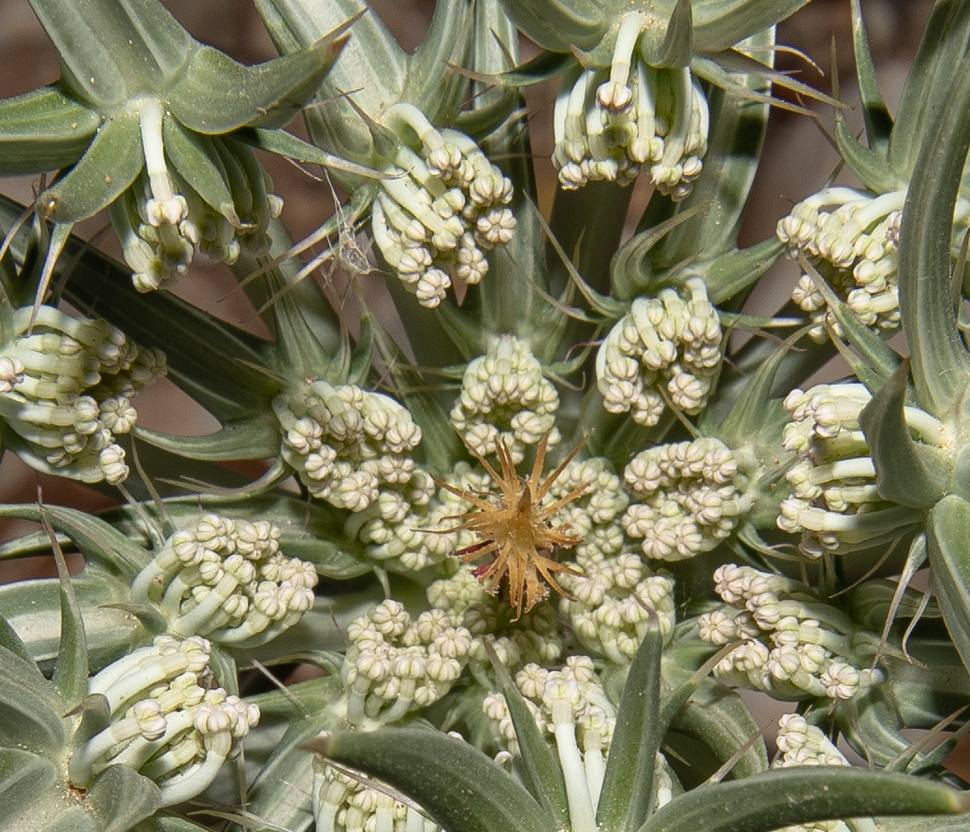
[[30, 710], [929, 87], [371, 69], [908, 472], [71, 669], [719, 719], [10, 640], [719, 25], [113, 50], [109, 165], [731, 273], [561, 25], [197, 160], [627, 795], [43, 130], [120, 797], [941, 363], [286, 144], [23, 776], [720, 70], [871, 166], [678, 47], [31, 608], [267, 95], [277, 796], [542, 67], [430, 82], [801, 795], [879, 121], [876, 361], [754, 412], [541, 772], [947, 533], [256, 438], [454, 782], [98, 541]]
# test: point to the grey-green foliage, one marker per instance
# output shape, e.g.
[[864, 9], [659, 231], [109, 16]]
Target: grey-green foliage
[[528, 518]]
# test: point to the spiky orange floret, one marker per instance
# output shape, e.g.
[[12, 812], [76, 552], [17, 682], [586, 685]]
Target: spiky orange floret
[[515, 528]]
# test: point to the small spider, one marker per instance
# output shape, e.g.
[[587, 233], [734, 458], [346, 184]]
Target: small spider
[[515, 527]]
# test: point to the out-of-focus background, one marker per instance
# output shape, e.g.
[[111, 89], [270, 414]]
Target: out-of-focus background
[[797, 161]]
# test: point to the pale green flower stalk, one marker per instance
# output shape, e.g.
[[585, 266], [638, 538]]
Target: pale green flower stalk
[[162, 221], [345, 804], [835, 503], [666, 349], [228, 581], [439, 210], [610, 124], [505, 398], [169, 720], [686, 498], [793, 646], [66, 386], [346, 444], [572, 709], [395, 665]]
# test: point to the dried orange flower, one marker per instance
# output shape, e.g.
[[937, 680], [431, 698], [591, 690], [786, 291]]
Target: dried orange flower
[[515, 527]]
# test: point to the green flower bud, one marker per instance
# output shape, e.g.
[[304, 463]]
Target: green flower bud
[[667, 343], [65, 390], [169, 720], [227, 580]]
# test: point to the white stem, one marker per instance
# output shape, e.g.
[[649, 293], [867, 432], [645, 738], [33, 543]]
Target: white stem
[[581, 818], [151, 141]]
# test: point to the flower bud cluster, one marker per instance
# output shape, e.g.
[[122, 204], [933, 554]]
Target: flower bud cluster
[[687, 498], [608, 124], [408, 526], [169, 720], [531, 637], [850, 237], [792, 645], [391, 526], [227, 580], [439, 210], [505, 398], [344, 804], [162, 219], [835, 503], [667, 348], [394, 665], [611, 604], [593, 515], [571, 707], [66, 386], [345, 443], [572, 697], [803, 744]]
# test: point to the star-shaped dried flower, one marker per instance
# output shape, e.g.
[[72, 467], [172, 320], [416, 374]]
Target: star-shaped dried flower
[[516, 528]]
